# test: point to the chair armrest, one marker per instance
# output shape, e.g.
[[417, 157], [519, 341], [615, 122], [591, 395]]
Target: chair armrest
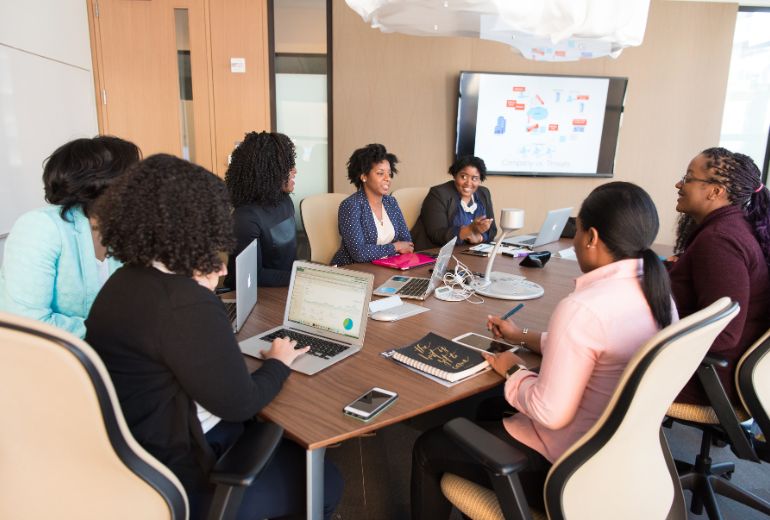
[[712, 359], [498, 456], [245, 459], [723, 409]]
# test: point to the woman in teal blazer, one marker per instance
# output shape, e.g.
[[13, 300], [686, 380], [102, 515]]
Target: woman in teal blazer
[[54, 262]]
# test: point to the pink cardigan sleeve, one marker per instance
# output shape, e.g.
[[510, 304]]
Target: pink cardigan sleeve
[[551, 397]]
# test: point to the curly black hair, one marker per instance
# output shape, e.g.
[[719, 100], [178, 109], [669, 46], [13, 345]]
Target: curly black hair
[[259, 169], [363, 159], [79, 171], [169, 210], [469, 160], [743, 181]]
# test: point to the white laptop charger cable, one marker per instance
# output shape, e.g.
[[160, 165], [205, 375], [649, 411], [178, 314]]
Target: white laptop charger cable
[[458, 285]]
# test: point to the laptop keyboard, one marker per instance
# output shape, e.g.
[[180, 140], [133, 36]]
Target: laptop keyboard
[[415, 287], [230, 308], [527, 242], [318, 346]]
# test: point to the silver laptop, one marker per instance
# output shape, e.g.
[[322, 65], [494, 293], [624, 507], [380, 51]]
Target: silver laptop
[[416, 287], [327, 309], [551, 230], [245, 287]]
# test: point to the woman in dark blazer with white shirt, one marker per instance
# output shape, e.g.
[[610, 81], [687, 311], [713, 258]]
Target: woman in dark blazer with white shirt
[[370, 222], [459, 208]]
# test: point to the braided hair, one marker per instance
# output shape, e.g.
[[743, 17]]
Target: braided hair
[[742, 179], [259, 169], [626, 219]]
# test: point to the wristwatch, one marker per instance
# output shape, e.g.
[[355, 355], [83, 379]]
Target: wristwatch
[[513, 370]]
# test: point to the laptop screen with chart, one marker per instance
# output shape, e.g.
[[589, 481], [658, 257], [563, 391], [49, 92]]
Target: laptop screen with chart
[[328, 301], [327, 309]]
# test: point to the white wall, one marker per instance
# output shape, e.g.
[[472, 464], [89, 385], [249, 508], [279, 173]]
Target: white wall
[[46, 94]]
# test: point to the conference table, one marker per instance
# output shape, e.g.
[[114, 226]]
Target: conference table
[[309, 408]]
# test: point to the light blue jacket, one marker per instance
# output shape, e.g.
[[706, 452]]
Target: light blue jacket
[[49, 268]]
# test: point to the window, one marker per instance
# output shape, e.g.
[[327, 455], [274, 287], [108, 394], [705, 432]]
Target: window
[[746, 118]]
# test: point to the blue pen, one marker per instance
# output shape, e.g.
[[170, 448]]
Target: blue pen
[[511, 312]]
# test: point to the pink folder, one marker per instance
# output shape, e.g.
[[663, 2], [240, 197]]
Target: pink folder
[[405, 261]]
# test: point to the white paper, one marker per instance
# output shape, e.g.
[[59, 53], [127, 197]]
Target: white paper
[[568, 254], [487, 248], [385, 303], [393, 305]]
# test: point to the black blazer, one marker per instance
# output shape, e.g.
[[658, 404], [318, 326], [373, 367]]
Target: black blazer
[[434, 227]]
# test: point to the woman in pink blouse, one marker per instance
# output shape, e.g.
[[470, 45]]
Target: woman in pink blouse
[[620, 302]]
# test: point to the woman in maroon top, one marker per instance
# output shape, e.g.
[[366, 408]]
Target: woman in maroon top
[[723, 248]]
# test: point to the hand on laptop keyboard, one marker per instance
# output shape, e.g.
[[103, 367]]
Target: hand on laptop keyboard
[[318, 346], [285, 350]]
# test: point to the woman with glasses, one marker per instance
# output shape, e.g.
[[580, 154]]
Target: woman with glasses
[[723, 249], [260, 180], [459, 208]]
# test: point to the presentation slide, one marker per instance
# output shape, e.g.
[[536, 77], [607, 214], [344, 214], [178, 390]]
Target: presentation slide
[[540, 124]]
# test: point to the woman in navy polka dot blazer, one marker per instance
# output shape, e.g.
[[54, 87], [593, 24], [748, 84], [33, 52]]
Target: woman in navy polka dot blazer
[[370, 221]]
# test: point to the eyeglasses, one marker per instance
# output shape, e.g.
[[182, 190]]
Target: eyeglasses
[[686, 179]]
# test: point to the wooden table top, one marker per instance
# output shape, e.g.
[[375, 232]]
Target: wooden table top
[[309, 408]]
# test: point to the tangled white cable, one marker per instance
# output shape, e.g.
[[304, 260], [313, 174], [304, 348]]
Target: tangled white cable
[[458, 285]]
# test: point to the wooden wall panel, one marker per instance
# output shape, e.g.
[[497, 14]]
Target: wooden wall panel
[[241, 101], [401, 91]]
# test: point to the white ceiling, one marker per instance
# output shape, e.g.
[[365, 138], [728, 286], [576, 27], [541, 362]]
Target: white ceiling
[[746, 3]]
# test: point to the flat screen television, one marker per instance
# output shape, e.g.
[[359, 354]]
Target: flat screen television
[[540, 125]]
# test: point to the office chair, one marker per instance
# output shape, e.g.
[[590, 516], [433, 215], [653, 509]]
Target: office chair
[[410, 201], [622, 467], [722, 422], [319, 218], [66, 450]]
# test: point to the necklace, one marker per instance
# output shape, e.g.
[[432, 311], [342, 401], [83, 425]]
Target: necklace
[[381, 218]]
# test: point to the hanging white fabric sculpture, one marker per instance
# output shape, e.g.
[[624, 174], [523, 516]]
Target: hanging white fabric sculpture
[[547, 30]]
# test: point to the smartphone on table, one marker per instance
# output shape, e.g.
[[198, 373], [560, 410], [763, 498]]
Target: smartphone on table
[[371, 403], [479, 342]]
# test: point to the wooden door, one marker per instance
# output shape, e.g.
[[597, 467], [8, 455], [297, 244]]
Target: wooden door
[[136, 58]]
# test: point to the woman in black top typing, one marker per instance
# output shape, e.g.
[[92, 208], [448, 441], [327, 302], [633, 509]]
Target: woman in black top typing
[[180, 377], [260, 178]]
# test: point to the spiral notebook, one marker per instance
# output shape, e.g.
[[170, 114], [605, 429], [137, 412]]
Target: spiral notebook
[[441, 358]]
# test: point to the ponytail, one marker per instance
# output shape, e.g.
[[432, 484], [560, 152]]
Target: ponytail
[[758, 214], [656, 287], [627, 221]]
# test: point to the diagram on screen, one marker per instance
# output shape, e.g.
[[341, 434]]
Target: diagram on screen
[[528, 123]]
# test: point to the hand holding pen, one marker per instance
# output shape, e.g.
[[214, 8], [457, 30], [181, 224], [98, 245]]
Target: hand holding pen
[[502, 328]]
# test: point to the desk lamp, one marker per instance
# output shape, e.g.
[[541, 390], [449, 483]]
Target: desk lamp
[[506, 286]]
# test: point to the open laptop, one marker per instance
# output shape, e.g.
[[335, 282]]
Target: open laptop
[[245, 287], [416, 287], [551, 230], [327, 309]]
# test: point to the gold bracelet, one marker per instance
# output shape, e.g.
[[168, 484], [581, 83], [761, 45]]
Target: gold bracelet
[[524, 332]]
